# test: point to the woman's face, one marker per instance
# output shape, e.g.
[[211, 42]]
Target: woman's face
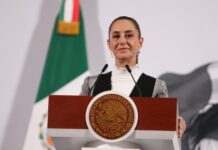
[[124, 41]]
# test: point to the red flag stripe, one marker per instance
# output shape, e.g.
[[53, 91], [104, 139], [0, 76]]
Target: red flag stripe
[[76, 10]]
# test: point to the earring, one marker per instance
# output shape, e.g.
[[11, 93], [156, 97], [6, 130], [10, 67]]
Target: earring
[[112, 55]]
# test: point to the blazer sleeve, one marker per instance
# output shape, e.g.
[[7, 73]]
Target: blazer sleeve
[[87, 84], [85, 87], [160, 89]]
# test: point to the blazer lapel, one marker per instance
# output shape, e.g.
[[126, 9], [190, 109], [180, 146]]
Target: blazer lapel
[[103, 84], [146, 85]]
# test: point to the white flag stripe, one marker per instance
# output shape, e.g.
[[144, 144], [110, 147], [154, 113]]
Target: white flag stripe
[[32, 140], [68, 10]]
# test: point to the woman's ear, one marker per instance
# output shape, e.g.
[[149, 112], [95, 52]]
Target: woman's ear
[[141, 40], [108, 44]]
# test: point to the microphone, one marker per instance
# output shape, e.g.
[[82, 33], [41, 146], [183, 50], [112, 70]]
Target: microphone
[[98, 77], [130, 72], [104, 68]]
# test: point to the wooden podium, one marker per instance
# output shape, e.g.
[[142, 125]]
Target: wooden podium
[[156, 128]]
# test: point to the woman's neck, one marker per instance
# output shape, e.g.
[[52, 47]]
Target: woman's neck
[[122, 64]]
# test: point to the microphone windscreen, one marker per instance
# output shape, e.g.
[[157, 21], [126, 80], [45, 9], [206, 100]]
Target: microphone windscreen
[[128, 69], [104, 68]]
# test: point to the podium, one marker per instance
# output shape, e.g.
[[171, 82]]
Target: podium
[[156, 128]]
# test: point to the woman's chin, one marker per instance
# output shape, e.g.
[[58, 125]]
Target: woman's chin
[[123, 54], [123, 58]]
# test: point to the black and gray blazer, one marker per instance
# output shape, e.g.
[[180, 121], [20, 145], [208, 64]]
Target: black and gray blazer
[[150, 87]]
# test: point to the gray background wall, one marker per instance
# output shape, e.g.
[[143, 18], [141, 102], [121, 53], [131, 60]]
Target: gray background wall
[[25, 32]]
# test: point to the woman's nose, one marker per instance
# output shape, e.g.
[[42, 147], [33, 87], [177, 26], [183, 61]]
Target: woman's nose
[[122, 40]]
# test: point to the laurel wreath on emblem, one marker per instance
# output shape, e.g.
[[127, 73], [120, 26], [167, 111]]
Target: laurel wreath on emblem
[[46, 141]]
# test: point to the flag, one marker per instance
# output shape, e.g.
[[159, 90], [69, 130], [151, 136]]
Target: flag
[[196, 93], [64, 70]]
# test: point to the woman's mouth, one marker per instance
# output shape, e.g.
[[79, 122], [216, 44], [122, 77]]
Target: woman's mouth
[[123, 49]]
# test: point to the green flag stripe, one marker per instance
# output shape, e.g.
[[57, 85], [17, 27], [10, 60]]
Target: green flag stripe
[[66, 59]]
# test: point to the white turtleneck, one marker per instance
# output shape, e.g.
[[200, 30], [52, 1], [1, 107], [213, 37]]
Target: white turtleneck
[[122, 80]]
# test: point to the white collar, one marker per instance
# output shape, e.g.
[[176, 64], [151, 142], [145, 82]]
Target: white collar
[[123, 70]]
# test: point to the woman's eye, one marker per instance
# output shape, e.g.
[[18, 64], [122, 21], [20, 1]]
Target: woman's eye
[[129, 35], [115, 36]]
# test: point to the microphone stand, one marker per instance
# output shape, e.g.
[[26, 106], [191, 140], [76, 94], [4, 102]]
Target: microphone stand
[[138, 89]]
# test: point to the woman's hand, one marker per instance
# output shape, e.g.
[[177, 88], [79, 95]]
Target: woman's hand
[[181, 126]]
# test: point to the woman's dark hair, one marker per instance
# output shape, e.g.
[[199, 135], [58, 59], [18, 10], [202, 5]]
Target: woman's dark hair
[[135, 23]]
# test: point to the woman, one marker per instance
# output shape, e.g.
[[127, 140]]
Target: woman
[[125, 42]]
